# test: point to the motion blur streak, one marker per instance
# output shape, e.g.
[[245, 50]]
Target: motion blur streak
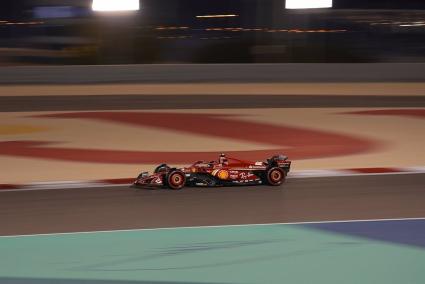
[[217, 16]]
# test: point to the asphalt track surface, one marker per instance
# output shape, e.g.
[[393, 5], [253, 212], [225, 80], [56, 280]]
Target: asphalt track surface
[[133, 102], [300, 199], [190, 73]]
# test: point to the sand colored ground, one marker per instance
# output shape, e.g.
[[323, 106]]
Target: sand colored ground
[[399, 139], [376, 89]]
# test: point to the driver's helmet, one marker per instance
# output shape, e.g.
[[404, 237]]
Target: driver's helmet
[[161, 168], [223, 159]]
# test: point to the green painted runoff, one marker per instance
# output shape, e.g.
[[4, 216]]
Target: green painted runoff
[[243, 254]]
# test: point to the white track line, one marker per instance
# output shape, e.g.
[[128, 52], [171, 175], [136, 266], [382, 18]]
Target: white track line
[[219, 226], [301, 175], [69, 186]]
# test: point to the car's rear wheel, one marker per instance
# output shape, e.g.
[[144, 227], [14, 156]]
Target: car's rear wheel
[[176, 180], [275, 176]]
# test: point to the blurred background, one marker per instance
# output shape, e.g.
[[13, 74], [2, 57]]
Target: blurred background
[[94, 92], [210, 31]]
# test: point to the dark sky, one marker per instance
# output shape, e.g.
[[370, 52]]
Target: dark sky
[[380, 4], [15, 8], [10, 8]]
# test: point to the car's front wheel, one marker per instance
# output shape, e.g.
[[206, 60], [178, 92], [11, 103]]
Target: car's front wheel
[[275, 176], [176, 180]]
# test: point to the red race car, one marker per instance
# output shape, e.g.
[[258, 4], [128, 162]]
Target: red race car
[[223, 172]]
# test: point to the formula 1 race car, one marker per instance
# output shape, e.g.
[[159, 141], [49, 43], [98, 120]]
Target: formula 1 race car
[[223, 172]]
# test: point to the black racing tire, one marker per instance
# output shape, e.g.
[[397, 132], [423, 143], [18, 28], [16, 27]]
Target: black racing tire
[[176, 180], [275, 176]]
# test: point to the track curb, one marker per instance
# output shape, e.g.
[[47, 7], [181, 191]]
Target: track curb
[[129, 181]]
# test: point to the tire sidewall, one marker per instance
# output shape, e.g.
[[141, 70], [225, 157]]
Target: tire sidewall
[[172, 184], [271, 180]]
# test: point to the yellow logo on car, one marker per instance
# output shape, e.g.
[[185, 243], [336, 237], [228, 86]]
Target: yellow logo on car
[[223, 174]]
